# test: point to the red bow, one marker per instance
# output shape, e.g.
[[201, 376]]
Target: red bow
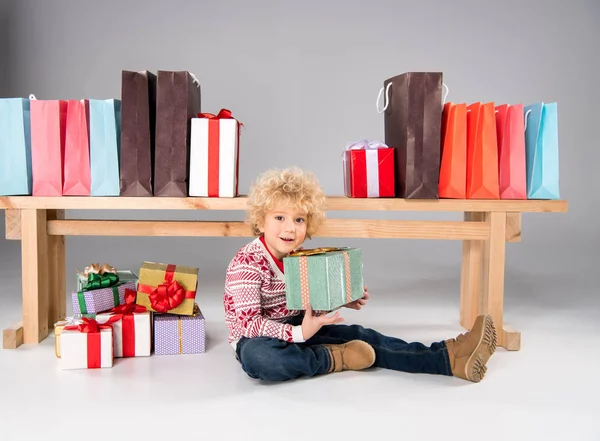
[[223, 114], [167, 296], [90, 326], [129, 307]]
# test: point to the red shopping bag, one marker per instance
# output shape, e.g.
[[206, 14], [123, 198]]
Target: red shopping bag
[[48, 124], [482, 152], [76, 167], [510, 130], [453, 169]]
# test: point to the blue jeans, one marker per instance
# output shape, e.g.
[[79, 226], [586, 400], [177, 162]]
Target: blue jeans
[[272, 359]]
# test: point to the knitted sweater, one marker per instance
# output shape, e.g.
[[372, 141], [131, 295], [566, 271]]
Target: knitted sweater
[[254, 298]]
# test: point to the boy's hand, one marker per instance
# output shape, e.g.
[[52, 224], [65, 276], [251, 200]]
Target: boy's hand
[[358, 304], [312, 323]]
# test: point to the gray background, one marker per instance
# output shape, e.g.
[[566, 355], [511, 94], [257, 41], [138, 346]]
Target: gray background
[[303, 77]]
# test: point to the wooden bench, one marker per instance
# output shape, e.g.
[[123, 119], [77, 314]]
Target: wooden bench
[[40, 224]]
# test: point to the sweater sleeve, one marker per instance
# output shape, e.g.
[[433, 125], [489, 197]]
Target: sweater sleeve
[[244, 284]]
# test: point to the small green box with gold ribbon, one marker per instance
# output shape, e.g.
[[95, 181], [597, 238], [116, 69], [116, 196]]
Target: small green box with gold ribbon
[[327, 278]]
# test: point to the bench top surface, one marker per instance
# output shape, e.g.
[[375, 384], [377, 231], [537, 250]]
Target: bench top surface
[[334, 203]]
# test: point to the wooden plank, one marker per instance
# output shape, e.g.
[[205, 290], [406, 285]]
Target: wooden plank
[[362, 228], [12, 225], [513, 227], [512, 338], [240, 203], [12, 337], [471, 275], [57, 287], [34, 257], [494, 256]]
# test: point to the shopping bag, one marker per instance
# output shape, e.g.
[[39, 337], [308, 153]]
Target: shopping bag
[[138, 123], [541, 145], [177, 102], [105, 140], [412, 122], [48, 127], [453, 167], [482, 152], [76, 166], [15, 147], [510, 130]]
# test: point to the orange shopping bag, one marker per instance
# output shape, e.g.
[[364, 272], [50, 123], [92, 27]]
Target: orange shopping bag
[[510, 129], [453, 169], [482, 152], [48, 124], [76, 167]]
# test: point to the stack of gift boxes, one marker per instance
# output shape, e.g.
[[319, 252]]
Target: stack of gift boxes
[[118, 315]]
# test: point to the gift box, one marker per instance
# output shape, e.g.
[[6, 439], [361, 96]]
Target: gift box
[[166, 288], [88, 345], [327, 278], [132, 336], [214, 155], [179, 334], [124, 276], [369, 170], [58, 328], [96, 297]]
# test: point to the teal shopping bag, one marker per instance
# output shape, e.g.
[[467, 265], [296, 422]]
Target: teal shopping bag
[[15, 147], [541, 146], [105, 147]]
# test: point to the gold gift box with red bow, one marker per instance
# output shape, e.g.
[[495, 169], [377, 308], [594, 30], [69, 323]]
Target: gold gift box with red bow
[[167, 289]]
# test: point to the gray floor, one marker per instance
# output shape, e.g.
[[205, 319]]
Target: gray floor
[[548, 390]]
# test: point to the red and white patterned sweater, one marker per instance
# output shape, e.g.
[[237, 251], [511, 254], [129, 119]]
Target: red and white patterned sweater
[[254, 299]]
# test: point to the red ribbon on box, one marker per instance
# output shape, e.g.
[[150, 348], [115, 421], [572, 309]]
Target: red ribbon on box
[[167, 295], [92, 328], [126, 311], [213, 150]]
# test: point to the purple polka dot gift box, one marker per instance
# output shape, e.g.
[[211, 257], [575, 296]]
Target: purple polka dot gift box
[[179, 334], [94, 301]]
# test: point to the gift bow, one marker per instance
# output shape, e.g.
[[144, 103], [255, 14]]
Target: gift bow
[[91, 326], [166, 296], [95, 268], [223, 114], [129, 307], [97, 281], [365, 144]]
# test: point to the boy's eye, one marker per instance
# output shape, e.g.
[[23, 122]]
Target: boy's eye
[[279, 218], [300, 220]]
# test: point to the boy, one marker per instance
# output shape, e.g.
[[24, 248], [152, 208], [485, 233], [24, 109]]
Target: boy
[[275, 344]]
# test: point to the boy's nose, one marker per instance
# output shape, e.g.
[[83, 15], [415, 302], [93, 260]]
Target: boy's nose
[[290, 226]]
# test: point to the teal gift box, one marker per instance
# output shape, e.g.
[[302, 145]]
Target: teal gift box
[[327, 278]]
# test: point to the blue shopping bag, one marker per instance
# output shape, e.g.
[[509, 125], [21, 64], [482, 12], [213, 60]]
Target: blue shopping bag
[[15, 147], [541, 146], [105, 147]]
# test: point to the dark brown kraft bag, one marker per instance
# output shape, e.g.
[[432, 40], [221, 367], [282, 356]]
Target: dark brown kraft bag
[[138, 122], [412, 122], [177, 102]]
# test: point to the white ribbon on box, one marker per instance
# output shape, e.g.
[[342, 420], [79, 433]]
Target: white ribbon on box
[[372, 158]]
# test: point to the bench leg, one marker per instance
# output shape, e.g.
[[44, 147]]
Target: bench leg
[[34, 264], [57, 307], [492, 296], [470, 282]]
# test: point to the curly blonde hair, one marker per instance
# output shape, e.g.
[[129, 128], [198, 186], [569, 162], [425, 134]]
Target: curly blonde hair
[[289, 188]]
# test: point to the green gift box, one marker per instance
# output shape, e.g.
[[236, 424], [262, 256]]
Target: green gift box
[[124, 276], [327, 278]]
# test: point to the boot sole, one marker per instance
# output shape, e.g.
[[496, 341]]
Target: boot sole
[[475, 367]]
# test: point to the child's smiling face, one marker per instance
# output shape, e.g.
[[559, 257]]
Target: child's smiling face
[[284, 230]]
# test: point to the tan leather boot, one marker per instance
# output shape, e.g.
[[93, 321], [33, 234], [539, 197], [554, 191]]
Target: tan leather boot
[[354, 355], [469, 352]]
